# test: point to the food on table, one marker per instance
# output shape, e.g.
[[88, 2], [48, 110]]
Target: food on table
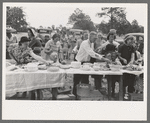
[[115, 67], [89, 64], [65, 66], [75, 64], [85, 68], [132, 68], [42, 67], [63, 62], [8, 64], [31, 67], [53, 69], [11, 68], [96, 68]]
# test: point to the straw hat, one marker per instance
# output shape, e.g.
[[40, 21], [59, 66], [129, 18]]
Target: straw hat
[[129, 37]]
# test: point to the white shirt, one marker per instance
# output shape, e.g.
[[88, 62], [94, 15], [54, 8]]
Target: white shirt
[[86, 52]]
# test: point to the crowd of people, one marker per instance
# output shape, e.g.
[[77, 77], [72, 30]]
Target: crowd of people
[[85, 47]]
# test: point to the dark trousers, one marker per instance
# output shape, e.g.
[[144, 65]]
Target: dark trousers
[[129, 80], [97, 80], [79, 78]]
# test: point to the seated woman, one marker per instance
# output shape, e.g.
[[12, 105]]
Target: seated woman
[[22, 54]]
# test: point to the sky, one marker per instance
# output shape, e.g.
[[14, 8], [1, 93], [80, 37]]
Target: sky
[[48, 14]]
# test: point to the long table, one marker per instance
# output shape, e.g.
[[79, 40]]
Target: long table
[[20, 81], [109, 75]]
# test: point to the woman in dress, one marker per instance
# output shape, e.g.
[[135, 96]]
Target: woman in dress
[[22, 54]]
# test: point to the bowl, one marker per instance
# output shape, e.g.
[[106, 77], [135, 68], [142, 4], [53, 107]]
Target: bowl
[[115, 67], [89, 64], [31, 67], [53, 69], [96, 68]]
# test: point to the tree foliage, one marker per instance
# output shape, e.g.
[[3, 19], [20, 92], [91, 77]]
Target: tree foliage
[[118, 21], [81, 21], [115, 14], [15, 17]]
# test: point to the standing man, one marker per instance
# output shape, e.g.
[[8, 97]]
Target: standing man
[[84, 55]]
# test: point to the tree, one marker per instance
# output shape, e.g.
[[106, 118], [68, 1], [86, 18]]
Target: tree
[[81, 21], [115, 14], [16, 18], [103, 27], [135, 26]]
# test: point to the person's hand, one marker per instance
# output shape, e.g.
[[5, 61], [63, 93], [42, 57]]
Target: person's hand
[[124, 61], [106, 60], [49, 63], [115, 63], [136, 62]]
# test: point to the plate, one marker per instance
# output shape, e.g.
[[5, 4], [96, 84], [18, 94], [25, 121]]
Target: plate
[[86, 69], [65, 66]]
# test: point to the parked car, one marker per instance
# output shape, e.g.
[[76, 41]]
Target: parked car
[[44, 33], [137, 35]]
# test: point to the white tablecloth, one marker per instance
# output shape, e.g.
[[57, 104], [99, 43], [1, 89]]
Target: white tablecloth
[[26, 81], [20, 81]]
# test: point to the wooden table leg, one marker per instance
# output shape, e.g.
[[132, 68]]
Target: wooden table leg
[[121, 88], [54, 93], [109, 79]]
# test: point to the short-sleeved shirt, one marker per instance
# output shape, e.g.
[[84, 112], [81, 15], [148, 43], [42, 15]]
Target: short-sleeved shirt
[[19, 54], [50, 45], [35, 42], [126, 52]]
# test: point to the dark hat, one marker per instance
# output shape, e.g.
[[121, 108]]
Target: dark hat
[[24, 39]]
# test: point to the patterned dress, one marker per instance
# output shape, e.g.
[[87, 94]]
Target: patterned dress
[[20, 55]]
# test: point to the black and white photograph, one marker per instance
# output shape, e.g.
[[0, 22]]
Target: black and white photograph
[[74, 61]]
